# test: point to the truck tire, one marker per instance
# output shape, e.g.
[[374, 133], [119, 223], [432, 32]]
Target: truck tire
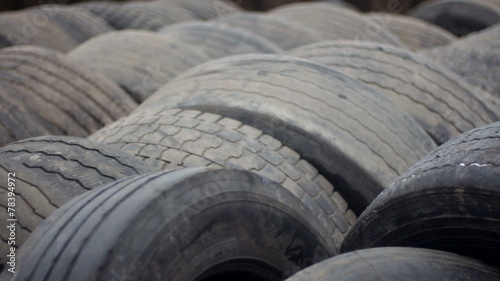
[[336, 23], [318, 112], [397, 263], [413, 32], [188, 224], [142, 61], [67, 98], [449, 201], [173, 139], [443, 104], [51, 170]]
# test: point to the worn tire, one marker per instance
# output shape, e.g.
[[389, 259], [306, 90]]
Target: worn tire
[[284, 33], [49, 171], [450, 201], [478, 62], [319, 112], [414, 33], [438, 99], [178, 225], [28, 28], [397, 263], [143, 61], [336, 23], [207, 9], [186, 138], [66, 97], [460, 17]]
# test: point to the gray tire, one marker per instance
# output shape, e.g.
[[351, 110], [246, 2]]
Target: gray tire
[[143, 61], [207, 9], [414, 33], [396, 263], [336, 23], [449, 201], [319, 112], [179, 225], [49, 171], [437, 98], [64, 96]]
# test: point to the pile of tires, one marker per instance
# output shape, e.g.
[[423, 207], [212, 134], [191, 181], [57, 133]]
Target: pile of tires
[[190, 140]]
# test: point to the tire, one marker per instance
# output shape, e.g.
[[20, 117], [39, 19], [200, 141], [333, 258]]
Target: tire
[[414, 33], [78, 23], [460, 17], [207, 9], [396, 263], [477, 63], [27, 28], [142, 61], [448, 201], [176, 138], [316, 111], [330, 20], [49, 171], [65, 97], [437, 98], [284, 33], [179, 225]]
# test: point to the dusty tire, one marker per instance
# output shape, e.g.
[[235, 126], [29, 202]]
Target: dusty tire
[[319, 112], [450, 201], [66, 97], [77, 22], [414, 33], [27, 28], [475, 58], [460, 17], [444, 105], [411, 264], [143, 61], [207, 9], [336, 23], [49, 171], [284, 33], [177, 138], [179, 225]]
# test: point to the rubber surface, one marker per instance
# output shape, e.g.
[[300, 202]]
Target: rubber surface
[[449, 200], [396, 263], [143, 61], [336, 23], [176, 138], [357, 138], [176, 225], [443, 104], [413, 32], [207, 9], [49, 171], [63, 96]]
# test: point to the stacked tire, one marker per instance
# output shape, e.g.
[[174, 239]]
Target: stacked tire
[[189, 140]]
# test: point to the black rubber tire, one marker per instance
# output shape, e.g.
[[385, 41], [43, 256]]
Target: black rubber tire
[[27, 28], [443, 104], [142, 61], [397, 263], [284, 33], [133, 16], [78, 23], [177, 138], [413, 32], [64, 96], [207, 9], [478, 62], [336, 23], [357, 138], [188, 224], [460, 17], [51, 170], [450, 201]]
